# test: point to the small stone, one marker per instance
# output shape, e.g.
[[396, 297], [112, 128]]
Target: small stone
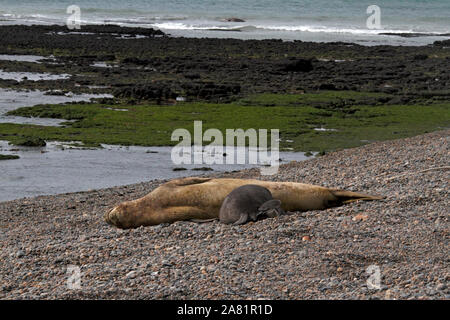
[[306, 238], [20, 254], [360, 217], [441, 287], [131, 275]]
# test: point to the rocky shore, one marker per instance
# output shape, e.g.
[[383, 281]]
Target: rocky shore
[[137, 64], [326, 254]]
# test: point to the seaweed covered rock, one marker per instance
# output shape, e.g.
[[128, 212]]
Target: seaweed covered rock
[[8, 157], [30, 142]]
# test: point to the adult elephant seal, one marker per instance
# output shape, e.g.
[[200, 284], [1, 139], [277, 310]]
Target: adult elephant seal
[[201, 198], [249, 203]]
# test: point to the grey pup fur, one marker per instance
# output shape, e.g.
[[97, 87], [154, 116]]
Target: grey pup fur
[[249, 203]]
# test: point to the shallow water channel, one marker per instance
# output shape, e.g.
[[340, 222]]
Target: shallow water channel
[[13, 99], [60, 168]]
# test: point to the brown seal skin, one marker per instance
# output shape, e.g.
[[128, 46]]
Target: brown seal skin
[[201, 198]]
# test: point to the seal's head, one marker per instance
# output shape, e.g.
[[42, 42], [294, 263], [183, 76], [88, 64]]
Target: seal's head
[[270, 209], [111, 217], [122, 216]]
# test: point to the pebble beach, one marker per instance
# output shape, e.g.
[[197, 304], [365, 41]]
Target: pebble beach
[[328, 254]]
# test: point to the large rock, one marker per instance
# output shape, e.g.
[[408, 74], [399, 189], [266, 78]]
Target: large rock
[[156, 91], [442, 43], [298, 65], [233, 20]]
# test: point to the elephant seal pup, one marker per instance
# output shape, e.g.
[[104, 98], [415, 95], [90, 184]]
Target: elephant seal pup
[[201, 198], [249, 203]]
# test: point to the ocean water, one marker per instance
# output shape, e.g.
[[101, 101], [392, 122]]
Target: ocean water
[[311, 20]]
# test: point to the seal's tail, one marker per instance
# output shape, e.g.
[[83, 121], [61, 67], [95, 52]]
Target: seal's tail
[[349, 196]]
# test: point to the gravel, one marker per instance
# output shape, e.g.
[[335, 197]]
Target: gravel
[[330, 254]]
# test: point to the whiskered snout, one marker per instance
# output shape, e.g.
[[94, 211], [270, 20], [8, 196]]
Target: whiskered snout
[[112, 217]]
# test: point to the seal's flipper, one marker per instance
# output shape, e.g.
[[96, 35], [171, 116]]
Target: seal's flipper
[[345, 197], [243, 219]]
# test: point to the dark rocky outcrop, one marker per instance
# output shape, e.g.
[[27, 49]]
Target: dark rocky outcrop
[[297, 65], [161, 68], [156, 91]]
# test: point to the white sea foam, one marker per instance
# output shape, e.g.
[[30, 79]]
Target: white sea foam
[[287, 28]]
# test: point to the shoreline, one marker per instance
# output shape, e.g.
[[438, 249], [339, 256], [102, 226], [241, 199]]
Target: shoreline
[[404, 235], [225, 34]]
